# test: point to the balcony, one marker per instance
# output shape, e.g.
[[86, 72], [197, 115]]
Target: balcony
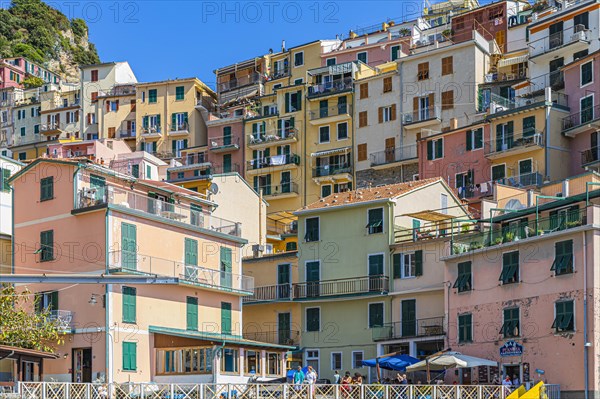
[[280, 228], [393, 155], [51, 129], [261, 113], [269, 293], [474, 240], [429, 327], [179, 129], [223, 143], [122, 261], [576, 38], [273, 161], [279, 73], [514, 143], [279, 136], [332, 170], [330, 88], [590, 157], [332, 114], [285, 337], [90, 199], [537, 85], [529, 97], [422, 118], [366, 285], [236, 83], [581, 121], [63, 320], [523, 180], [151, 132], [283, 190], [127, 133]]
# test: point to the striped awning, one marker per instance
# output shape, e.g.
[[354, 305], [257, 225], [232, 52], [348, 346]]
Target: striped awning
[[513, 60], [330, 152]]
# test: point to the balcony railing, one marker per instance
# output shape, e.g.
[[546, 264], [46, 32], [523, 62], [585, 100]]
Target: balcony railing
[[411, 328], [555, 41], [123, 261], [272, 161], [223, 142], [63, 319], [277, 227], [332, 87], [590, 156], [422, 115], [281, 189], [280, 337], [151, 130], [341, 287], [127, 133], [473, 240], [179, 127], [273, 136], [523, 180], [279, 292], [240, 82], [129, 200], [50, 127], [555, 80], [514, 141], [261, 113], [280, 73], [336, 110], [332, 169], [581, 118], [392, 155]]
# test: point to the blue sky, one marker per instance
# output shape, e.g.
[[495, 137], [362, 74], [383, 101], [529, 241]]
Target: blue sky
[[169, 39]]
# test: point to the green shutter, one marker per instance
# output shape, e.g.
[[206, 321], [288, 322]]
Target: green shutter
[[313, 319], [375, 315], [173, 122], [430, 150], [54, 300], [478, 143], [192, 313], [47, 188], [129, 356], [397, 264], [287, 102], [145, 122], [418, 263], [226, 267], [47, 245], [191, 252], [128, 246], [439, 148], [158, 122], [226, 318], [4, 176], [469, 134], [129, 304]]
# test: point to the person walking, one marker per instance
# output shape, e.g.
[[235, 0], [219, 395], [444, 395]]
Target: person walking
[[311, 379], [346, 385], [337, 378], [298, 379]]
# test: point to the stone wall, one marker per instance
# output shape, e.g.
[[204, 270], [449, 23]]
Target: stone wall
[[390, 175]]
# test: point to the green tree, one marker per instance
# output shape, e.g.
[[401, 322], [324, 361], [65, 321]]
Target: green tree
[[31, 82], [23, 327]]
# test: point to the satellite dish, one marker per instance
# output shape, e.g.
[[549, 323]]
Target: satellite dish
[[214, 188], [514, 204]]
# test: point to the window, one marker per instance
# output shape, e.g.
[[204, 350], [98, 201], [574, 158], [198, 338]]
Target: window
[[330, 61], [357, 358], [362, 152], [299, 58], [179, 93], [47, 246], [22, 131], [375, 221], [447, 100], [474, 139], [376, 315], [129, 304], [498, 172], [152, 96], [563, 258], [226, 318], [362, 119], [143, 96], [94, 75], [408, 264], [312, 229], [528, 126], [587, 73], [336, 360], [313, 319], [435, 149], [324, 134], [129, 356], [325, 190], [447, 68], [581, 19], [423, 71], [4, 176], [230, 360], [342, 131], [564, 316], [464, 281], [579, 54], [191, 313], [395, 53], [510, 268], [252, 362], [364, 90], [273, 363], [511, 326], [22, 156], [47, 188], [387, 84], [465, 328], [387, 114], [362, 57], [293, 101], [586, 108]]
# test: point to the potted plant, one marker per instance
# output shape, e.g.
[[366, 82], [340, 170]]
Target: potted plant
[[447, 33], [498, 241], [573, 223], [465, 228], [404, 32], [509, 236]]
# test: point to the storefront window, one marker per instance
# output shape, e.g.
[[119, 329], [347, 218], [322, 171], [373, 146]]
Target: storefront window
[[252, 362], [230, 360], [273, 363], [184, 361]]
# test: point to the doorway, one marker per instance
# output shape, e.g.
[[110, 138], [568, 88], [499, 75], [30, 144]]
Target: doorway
[[82, 365], [512, 370]]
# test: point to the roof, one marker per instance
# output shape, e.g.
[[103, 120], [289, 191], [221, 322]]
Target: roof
[[27, 352], [278, 255], [14, 161], [215, 337], [365, 195]]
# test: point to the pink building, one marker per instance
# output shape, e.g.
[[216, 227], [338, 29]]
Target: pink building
[[582, 86], [226, 140], [517, 294], [14, 70]]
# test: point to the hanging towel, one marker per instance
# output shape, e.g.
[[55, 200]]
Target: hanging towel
[[278, 160], [483, 188]]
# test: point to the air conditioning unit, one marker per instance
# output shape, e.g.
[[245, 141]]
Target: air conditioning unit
[[408, 118]]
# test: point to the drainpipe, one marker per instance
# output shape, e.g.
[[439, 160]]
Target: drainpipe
[[107, 304], [401, 109], [547, 132], [305, 148], [585, 320]]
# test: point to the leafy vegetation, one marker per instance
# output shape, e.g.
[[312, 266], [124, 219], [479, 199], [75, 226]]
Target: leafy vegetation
[[31, 82], [22, 327], [33, 29]]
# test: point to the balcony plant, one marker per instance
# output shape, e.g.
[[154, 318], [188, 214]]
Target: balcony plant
[[498, 241], [509, 237], [573, 223], [404, 32]]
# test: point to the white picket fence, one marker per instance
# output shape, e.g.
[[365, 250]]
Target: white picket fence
[[56, 390]]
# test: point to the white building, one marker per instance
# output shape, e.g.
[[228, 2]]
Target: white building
[[8, 167]]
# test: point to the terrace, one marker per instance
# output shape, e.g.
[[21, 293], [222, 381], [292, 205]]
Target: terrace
[[223, 143], [576, 38], [330, 114], [422, 117], [590, 156], [514, 143], [286, 337], [284, 135], [428, 327], [581, 121], [392, 155], [273, 161]]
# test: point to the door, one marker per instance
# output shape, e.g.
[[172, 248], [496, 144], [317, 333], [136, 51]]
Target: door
[[556, 76], [555, 36], [423, 108], [504, 136], [323, 111], [390, 145], [82, 365], [313, 275], [226, 267], [283, 281], [286, 182], [342, 105], [128, 246], [226, 163], [409, 318], [227, 135], [526, 176], [375, 273], [283, 328]]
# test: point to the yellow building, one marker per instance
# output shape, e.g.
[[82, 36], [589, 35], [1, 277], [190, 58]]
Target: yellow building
[[171, 115], [116, 113]]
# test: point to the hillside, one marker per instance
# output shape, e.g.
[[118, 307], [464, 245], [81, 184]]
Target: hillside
[[33, 29]]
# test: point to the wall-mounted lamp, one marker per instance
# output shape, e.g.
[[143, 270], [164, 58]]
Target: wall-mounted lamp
[[94, 299], [66, 355]]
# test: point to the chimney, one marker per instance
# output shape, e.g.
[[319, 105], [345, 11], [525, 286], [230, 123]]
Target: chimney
[[283, 46], [453, 123], [530, 199]]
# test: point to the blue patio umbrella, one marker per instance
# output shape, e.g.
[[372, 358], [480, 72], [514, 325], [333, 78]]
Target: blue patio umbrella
[[397, 362], [290, 373]]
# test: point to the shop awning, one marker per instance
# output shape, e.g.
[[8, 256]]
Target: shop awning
[[512, 61], [282, 217], [10, 352], [430, 216], [330, 152]]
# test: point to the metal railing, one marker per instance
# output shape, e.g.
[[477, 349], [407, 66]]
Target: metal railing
[[559, 39], [273, 136], [282, 188], [554, 80], [148, 130], [218, 143], [332, 87], [123, 261], [515, 141], [335, 110], [272, 161], [410, 328], [391, 155], [522, 180], [127, 133], [332, 169], [261, 112], [422, 115], [49, 127], [153, 390], [250, 79], [127, 199], [280, 73], [178, 127], [341, 287], [581, 118], [278, 227], [283, 337], [590, 156], [280, 292]]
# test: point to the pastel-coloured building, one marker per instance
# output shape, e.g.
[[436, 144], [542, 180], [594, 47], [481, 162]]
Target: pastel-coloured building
[[75, 216], [116, 114], [14, 70], [8, 167]]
